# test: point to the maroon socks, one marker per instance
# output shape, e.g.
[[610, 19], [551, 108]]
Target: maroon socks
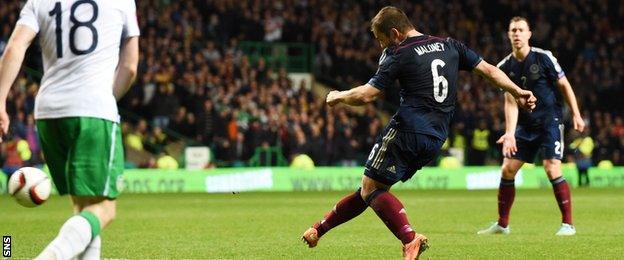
[[349, 207], [506, 195], [562, 194], [507, 192], [391, 212], [387, 207]]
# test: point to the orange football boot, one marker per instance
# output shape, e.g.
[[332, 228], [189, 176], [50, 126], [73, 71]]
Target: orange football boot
[[412, 250], [310, 237]]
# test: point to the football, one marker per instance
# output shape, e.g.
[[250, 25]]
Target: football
[[30, 186]]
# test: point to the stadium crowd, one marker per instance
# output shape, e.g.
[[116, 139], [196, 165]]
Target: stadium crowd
[[196, 85]]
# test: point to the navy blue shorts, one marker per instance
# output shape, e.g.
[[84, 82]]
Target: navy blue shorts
[[547, 140], [396, 155]]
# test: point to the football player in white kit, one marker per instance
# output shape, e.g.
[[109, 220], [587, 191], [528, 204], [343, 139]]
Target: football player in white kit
[[90, 56]]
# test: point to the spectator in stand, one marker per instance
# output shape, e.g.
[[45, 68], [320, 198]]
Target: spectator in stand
[[156, 140], [134, 139], [479, 145], [583, 147]]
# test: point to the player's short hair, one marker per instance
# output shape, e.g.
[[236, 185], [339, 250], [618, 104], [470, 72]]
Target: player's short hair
[[520, 18], [391, 17]]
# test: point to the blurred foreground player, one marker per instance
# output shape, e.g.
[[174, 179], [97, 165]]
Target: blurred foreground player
[[427, 69], [540, 131], [90, 56]]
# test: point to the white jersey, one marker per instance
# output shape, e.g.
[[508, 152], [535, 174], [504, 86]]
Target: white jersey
[[80, 41]]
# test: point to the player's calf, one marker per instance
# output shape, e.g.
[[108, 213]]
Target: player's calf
[[73, 238], [103, 208]]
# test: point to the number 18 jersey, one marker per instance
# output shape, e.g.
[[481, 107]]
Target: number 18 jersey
[[427, 68], [80, 41]]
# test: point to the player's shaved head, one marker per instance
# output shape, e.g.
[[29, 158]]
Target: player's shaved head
[[390, 17], [518, 19]]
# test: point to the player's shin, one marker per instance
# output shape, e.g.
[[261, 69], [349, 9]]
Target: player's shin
[[73, 238], [392, 213], [562, 194], [506, 196], [346, 209]]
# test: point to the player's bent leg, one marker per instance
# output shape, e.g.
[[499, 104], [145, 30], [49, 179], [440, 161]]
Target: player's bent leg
[[104, 208], [94, 249], [81, 232], [391, 211], [72, 239], [369, 185], [561, 190], [506, 196], [346, 209], [96, 204]]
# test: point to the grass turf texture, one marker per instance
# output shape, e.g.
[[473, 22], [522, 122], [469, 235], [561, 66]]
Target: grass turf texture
[[268, 225]]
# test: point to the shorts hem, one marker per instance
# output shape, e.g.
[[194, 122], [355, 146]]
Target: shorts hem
[[553, 157], [372, 174], [91, 195]]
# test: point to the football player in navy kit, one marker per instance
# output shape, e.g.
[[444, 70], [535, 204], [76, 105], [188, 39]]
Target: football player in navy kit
[[541, 131], [427, 68]]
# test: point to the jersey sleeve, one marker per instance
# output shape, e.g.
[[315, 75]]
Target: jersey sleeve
[[387, 72], [468, 59], [553, 69], [28, 16], [131, 24]]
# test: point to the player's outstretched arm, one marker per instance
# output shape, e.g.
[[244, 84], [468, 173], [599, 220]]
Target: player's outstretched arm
[[354, 97], [10, 65], [524, 98], [127, 67], [508, 140], [568, 93]]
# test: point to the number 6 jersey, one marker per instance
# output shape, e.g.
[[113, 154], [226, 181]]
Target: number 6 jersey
[[427, 68], [80, 41]]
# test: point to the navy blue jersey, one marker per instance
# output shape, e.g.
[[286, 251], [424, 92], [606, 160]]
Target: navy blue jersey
[[539, 73], [427, 68]]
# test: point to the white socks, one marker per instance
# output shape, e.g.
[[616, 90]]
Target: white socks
[[73, 238], [93, 250]]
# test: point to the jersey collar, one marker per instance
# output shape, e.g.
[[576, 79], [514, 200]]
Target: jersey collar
[[413, 38]]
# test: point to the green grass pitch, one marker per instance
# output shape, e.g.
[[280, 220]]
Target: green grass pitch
[[268, 226]]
